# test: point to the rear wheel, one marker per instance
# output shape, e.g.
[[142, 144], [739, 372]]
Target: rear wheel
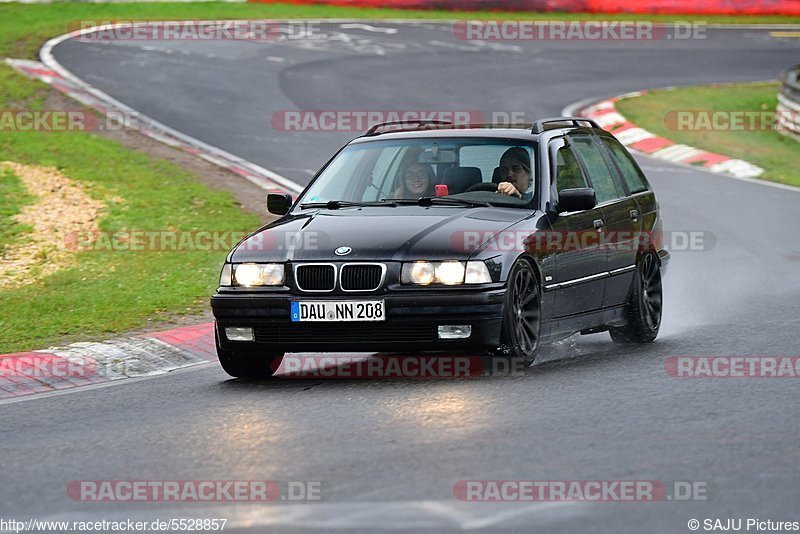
[[644, 306], [241, 364], [521, 315]]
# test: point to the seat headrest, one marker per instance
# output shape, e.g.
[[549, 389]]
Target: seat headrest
[[496, 178], [459, 179]]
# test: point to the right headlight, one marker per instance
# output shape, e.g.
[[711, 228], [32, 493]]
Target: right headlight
[[449, 273], [253, 274]]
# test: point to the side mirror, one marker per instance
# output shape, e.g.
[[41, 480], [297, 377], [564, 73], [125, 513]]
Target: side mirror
[[279, 203], [579, 199]]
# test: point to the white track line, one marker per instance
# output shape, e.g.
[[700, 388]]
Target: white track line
[[101, 385], [47, 58]]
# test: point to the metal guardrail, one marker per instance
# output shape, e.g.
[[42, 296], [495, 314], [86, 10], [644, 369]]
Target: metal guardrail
[[789, 102]]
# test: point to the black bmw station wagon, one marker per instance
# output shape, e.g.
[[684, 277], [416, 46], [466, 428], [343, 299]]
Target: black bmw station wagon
[[426, 237]]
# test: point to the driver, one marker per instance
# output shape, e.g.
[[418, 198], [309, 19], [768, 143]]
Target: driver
[[515, 173]]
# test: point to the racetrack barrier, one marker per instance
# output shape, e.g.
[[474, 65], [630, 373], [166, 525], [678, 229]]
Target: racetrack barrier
[[662, 7], [789, 102]]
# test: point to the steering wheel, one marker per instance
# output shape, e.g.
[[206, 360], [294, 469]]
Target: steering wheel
[[482, 186]]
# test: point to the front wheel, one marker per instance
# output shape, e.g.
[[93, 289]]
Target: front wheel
[[241, 364], [644, 306], [521, 314]]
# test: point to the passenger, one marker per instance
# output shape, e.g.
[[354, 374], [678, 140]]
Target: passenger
[[515, 173], [418, 181]]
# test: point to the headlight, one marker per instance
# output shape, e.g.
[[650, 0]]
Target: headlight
[[449, 273], [258, 274], [419, 272]]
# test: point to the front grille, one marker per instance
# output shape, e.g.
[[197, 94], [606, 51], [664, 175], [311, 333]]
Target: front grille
[[351, 333], [315, 277], [365, 277]]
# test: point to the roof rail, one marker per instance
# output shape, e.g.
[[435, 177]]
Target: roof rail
[[541, 125], [421, 124]]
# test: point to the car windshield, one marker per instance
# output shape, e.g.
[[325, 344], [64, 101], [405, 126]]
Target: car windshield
[[460, 172]]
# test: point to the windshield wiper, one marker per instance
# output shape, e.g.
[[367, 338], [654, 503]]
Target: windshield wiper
[[445, 201], [336, 204]]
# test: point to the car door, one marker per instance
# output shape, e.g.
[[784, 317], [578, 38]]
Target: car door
[[639, 190], [581, 262], [620, 213]]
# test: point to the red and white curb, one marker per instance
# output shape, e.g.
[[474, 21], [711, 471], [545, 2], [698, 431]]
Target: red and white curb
[[87, 363], [52, 73], [607, 116]]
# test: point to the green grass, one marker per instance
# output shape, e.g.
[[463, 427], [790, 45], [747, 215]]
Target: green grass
[[13, 196], [777, 154], [108, 292]]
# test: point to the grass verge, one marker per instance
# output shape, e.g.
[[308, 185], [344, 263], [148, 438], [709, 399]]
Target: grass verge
[[13, 196], [777, 154], [108, 291]]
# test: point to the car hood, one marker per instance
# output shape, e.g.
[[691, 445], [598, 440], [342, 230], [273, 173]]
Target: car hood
[[379, 233]]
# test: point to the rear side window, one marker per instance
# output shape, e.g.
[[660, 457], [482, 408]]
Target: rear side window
[[630, 171], [568, 172], [600, 174]]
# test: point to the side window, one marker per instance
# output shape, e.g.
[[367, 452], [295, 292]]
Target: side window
[[600, 174], [565, 171], [630, 171], [568, 172]]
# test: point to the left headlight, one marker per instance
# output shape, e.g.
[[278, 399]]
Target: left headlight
[[449, 273], [252, 274]]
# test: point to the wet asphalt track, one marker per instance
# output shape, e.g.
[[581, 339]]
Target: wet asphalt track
[[389, 452]]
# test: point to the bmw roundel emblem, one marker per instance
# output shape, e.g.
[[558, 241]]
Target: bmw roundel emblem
[[343, 251]]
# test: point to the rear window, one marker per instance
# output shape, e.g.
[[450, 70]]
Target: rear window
[[599, 174], [630, 171]]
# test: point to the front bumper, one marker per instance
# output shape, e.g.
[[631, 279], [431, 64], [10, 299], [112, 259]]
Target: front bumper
[[411, 322]]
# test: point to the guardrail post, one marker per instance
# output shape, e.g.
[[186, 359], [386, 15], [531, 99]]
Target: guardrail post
[[788, 109]]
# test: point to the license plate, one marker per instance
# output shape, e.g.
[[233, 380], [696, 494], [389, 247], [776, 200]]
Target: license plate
[[373, 310]]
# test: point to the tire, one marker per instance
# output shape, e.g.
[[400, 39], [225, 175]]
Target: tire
[[522, 314], [241, 364], [644, 309]]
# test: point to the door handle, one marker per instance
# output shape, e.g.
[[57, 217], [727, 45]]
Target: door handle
[[599, 224], [634, 214]]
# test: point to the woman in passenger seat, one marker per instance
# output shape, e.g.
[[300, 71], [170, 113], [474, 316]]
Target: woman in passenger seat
[[418, 180]]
